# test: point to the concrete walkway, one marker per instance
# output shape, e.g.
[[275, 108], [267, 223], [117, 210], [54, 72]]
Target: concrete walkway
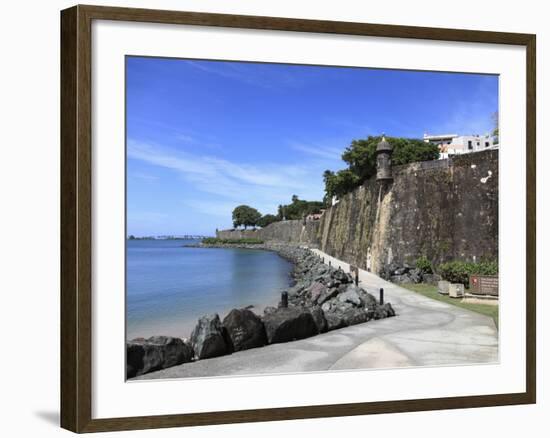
[[424, 332]]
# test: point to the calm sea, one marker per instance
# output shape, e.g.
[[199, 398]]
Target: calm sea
[[168, 286]]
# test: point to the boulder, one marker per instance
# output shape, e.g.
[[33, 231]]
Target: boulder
[[384, 311], [156, 353], [327, 305], [354, 316], [431, 278], [400, 279], [400, 271], [415, 275], [319, 318], [334, 321], [344, 313], [316, 290], [208, 338], [340, 307], [327, 295], [245, 329], [369, 301], [289, 324], [340, 275], [389, 309], [351, 295], [175, 350]]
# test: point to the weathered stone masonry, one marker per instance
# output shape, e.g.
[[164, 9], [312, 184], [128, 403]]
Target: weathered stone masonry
[[444, 209]]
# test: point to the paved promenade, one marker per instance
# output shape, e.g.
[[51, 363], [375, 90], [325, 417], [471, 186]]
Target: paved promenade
[[424, 332]]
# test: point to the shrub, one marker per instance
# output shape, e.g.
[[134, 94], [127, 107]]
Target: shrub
[[424, 265], [267, 219], [459, 272]]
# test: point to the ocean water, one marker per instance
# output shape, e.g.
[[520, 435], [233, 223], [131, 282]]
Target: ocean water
[[168, 286]]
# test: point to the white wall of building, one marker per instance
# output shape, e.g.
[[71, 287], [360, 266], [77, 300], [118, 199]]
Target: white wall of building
[[453, 144]]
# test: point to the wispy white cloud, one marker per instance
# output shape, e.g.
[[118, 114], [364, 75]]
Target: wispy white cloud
[[185, 138], [318, 150], [211, 208], [144, 176], [221, 184], [262, 75]]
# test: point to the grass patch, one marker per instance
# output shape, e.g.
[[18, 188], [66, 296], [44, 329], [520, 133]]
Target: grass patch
[[244, 241], [430, 291]]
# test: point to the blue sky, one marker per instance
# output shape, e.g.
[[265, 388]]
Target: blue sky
[[206, 136]]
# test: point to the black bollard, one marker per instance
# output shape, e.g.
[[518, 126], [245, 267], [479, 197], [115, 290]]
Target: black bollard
[[381, 296], [357, 277], [329, 263], [284, 299]]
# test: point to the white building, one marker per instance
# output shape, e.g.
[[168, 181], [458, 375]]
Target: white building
[[453, 144]]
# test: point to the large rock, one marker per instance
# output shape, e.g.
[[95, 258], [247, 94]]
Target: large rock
[[289, 324], [341, 276], [319, 318], [334, 321], [208, 338], [369, 301], [415, 275], [316, 290], [351, 295], [431, 278], [384, 311], [327, 295], [245, 329], [155, 353], [345, 314], [354, 316], [401, 279], [400, 271]]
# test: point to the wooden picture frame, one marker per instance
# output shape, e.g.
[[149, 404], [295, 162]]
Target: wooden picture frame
[[76, 217]]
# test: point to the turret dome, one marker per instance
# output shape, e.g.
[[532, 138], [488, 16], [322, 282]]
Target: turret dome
[[383, 145]]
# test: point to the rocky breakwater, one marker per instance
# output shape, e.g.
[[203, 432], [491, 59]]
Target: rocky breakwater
[[329, 293], [406, 273], [322, 298]]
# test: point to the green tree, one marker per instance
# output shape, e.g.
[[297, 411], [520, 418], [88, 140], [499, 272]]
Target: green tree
[[246, 216], [339, 183], [360, 157], [299, 208], [280, 212], [267, 219]]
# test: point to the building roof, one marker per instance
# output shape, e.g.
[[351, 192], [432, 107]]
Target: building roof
[[383, 145], [439, 136]]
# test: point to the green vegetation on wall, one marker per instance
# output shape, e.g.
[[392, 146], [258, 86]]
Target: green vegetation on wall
[[267, 219], [360, 157], [298, 208]]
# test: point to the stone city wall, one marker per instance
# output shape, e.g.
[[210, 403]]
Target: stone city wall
[[444, 210]]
